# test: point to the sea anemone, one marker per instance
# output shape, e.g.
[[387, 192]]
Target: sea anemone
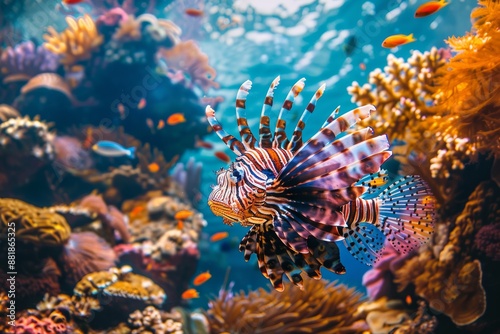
[[321, 307]]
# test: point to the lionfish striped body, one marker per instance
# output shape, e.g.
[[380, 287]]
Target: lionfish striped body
[[300, 198]]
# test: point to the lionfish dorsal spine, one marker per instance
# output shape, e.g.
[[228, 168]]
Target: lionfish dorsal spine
[[246, 134], [234, 144], [280, 139], [296, 141], [331, 118], [265, 136]]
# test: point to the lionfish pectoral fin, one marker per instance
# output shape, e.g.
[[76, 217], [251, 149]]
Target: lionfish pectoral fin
[[327, 254], [407, 213], [364, 241], [373, 182]]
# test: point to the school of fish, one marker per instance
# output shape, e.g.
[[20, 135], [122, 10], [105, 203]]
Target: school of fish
[[299, 198]]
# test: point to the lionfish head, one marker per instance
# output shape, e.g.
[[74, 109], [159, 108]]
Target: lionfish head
[[236, 193]]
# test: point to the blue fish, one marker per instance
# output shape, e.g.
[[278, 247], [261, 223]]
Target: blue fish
[[113, 150]]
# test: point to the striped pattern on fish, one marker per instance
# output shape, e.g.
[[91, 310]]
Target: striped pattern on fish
[[300, 198]]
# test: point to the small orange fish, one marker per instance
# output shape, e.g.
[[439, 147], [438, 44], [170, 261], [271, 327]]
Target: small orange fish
[[223, 156], [71, 2], [161, 125], [218, 236], [203, 144], [87, 143], [180, 225], [141, 104], [149, 123], [136, 211], [183, 214], [176, 118], [190, 294], [362, 66], [154, 167], [202, 278], [194, 12], [408, 300], [430, 7], [397, 40], [121, 110]]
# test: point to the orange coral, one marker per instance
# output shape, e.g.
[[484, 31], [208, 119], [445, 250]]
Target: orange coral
[[187, 57], [77, 42], [469, 91]]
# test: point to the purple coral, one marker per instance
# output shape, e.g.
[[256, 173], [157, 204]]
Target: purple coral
[[26, 60], [379, 280], [189, 178], [487, 241]]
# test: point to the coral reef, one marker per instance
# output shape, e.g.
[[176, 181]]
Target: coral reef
[[188, 58], [26, 147], [120, 284], [24, 61], [37, 226], [468, 94], [403, 96], [449, 277], [76, 43], [154, 321], [321, 307]]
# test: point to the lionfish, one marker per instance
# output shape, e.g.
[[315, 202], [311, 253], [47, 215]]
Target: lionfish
[[300, 198]]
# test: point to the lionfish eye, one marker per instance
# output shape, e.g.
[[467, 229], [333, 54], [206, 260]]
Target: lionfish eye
[[236, 175]]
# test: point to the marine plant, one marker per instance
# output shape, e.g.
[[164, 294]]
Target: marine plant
[[322, 307]]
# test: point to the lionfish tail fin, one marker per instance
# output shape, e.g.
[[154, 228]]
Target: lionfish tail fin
[[241, 115], [234, 144], [407, 213], [265, 136]]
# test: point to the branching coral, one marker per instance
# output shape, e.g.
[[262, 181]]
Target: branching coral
[[469, 91], [34, 225], [25, 60], [321, 307], [403, 96], [77, 42], [188, 58], [450, 279]]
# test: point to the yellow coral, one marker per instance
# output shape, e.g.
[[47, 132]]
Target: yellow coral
[[34, 225], [469, 91], [77, 42], [402, 95]]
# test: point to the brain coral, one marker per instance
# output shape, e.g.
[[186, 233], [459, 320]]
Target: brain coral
[[34, 225]]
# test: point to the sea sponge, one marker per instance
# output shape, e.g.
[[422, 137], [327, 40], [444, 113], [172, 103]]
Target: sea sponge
[[25, 60], [450, 278], [77, 42], [487, 241], [403, 96], [34, 225], [188, 58], [322, 307], [469, 90]]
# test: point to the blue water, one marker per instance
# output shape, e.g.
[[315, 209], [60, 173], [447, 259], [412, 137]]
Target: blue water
[[293, 39]]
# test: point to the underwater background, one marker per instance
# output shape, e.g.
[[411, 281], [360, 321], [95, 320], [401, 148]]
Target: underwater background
[[139, 73]]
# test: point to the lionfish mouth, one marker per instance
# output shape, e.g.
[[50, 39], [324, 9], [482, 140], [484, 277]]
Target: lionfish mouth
[[223, 210]]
